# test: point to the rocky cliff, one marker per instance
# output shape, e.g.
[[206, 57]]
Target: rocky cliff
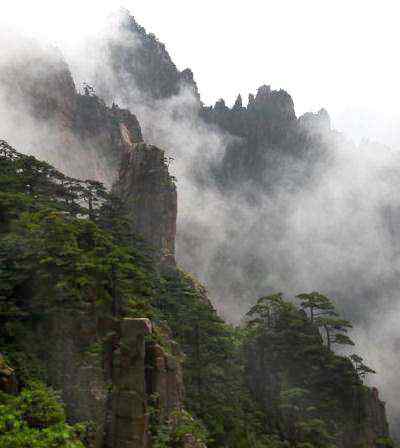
[[138, 64], [146, 187], [374, 429], [271, 143], [111, 387], [96, 141]]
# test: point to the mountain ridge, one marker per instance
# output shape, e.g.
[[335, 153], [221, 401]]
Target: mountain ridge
[[214, 368]]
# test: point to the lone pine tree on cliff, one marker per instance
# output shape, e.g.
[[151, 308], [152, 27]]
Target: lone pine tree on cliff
[[323, 314]]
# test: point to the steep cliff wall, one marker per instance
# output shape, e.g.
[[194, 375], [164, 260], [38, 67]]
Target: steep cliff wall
[[68, 345], [107, 373], [374, 428], [78, 133], [149, 192]]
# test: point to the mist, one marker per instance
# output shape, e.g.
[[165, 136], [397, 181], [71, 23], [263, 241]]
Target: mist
[[339, 234]]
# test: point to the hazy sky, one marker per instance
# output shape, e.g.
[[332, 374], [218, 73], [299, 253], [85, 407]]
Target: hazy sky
[[339, 54]]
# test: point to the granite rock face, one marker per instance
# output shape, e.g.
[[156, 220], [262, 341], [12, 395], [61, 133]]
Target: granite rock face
[[111, 386], [268, 139], [76, 132], [129, 416], [319, 122], [149, 192], [68, 345], [165, 374], [375, 425]]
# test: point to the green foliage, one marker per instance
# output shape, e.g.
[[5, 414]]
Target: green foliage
[[317, 304], [173, 430], [323, 314], [36, 419], [310, 393], [26, 365], [66, 244], [216, 391], [385, 442], [362, 369], [56, 253]]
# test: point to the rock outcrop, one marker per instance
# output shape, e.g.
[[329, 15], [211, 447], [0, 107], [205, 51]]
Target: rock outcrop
[[269, 140], [149, 192], [138, 64], [108, 373], [165, 374], [78, 133], [375, 426], [128, 415]]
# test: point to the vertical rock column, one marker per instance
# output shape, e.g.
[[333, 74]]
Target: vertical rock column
[[373, 424], [149, 194], [166, 378], [130, 425]]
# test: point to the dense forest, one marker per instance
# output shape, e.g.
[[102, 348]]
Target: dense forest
[[273, 381]]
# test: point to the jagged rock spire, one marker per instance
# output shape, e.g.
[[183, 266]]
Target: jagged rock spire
[[238, 103], [251, 99], [187, 78]]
